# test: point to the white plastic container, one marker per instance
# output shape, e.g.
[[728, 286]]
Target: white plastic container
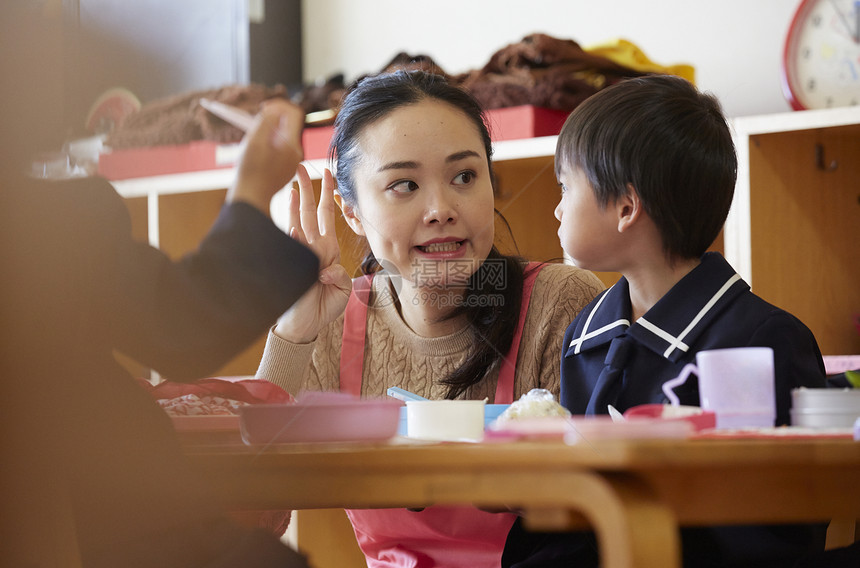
[[445, 419], [825, 408]]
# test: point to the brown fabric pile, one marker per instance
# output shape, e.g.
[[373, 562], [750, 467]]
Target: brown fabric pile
[[321, 96], [406, 62], [542, 71], [539, 70], [327, 95], [180, 119]]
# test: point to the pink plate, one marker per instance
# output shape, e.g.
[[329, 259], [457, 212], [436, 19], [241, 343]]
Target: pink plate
[[700, 419], [603, 427], [776, 432], [326, 419], [206, 423]]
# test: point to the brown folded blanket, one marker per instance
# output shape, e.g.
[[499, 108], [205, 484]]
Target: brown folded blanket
[[180, 119], [539, 70], [543, 71]]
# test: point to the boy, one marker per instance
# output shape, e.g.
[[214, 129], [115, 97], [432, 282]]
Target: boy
[[647, 169], [647, 174]]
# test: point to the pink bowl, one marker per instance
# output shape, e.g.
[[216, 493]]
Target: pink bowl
[[331, 421]]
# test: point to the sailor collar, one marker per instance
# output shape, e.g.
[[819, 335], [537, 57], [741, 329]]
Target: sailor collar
[[674, 322]]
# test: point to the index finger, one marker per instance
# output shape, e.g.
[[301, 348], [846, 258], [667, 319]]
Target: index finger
[[326, 210], [307, 205]]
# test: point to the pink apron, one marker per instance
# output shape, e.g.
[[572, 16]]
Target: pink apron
[[452, 537]]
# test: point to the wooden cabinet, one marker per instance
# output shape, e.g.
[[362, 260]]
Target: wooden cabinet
[[794, 229]]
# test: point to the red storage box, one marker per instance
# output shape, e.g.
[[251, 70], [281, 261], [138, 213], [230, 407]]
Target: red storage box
[[505, 124], [161, 160], [514, 123]]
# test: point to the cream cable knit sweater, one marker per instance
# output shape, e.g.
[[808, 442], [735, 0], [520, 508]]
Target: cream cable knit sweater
[[395, 356]]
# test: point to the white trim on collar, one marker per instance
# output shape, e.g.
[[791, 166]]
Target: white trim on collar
[[586, 336], [577, 343], [674, 342], [678, 342]]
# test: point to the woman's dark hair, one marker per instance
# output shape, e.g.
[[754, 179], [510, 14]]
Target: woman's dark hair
[[493, 323], [669, 141]]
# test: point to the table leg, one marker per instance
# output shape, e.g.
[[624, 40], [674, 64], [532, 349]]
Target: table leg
[[640, 524], [633, 528], [841, 532]]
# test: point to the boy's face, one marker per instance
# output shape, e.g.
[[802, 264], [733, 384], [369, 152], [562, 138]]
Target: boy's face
[[588, 232]]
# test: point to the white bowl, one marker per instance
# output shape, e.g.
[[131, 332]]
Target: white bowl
[[823, 418], [830, 399], [825, 408], [445, 419]]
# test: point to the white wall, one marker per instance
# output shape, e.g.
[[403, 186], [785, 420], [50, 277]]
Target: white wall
[[735, 45]]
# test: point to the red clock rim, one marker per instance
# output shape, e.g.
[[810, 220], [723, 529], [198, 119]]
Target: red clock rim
[[787, 88]]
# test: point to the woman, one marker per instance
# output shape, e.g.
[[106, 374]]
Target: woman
[[443, 311]]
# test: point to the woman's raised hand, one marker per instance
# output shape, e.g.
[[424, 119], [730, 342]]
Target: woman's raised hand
[[314, 226]]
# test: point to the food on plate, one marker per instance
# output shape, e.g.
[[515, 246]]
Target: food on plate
[[193, 405], [534, 404], [214, 396]]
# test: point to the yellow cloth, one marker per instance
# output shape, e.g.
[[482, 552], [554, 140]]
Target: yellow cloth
[[626, 53]]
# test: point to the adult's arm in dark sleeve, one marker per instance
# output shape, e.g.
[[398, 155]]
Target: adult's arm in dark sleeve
[[189, 317]]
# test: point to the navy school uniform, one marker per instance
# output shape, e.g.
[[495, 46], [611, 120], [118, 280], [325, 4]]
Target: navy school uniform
[[610, 360]]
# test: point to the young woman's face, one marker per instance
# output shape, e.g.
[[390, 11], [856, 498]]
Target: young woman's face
[[424, 194], [587, 231]]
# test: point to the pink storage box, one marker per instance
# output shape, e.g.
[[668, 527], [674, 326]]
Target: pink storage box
[[505, 124]]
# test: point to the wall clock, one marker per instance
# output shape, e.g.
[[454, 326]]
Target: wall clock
[[821, 60]]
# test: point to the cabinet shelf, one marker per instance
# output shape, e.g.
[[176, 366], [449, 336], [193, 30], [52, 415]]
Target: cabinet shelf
[[792, 230], [221, 178]]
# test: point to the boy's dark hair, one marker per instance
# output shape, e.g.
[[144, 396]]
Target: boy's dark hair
[[670, 142]]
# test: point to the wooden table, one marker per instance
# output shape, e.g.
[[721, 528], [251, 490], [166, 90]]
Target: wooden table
[[634, 493]]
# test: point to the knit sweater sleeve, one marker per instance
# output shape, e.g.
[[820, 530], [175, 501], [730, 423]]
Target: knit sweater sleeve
[[303, 366], [560, 292]]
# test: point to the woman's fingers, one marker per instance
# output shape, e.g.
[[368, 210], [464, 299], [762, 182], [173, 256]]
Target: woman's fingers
[[316, 225], [326, 210], [294, 223], [337, 277], [311, 225], [307, 205]]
